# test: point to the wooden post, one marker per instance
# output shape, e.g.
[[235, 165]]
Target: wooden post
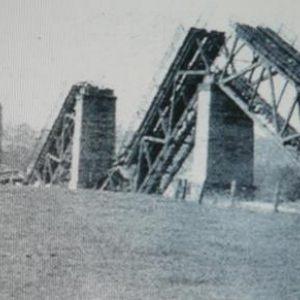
[[233, 192], [184, 188], [11, 182], [277, 196], [201, 193], [178, 188], [139, 165]]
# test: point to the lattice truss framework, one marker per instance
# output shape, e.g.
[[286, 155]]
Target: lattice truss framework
[[255, 67], [53, 154], [261, 73], [166, 135]]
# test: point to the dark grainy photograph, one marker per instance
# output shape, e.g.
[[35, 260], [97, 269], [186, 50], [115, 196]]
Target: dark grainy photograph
[[149, 150]]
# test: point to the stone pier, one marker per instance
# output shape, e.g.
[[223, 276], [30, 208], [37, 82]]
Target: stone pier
[[224, 150]]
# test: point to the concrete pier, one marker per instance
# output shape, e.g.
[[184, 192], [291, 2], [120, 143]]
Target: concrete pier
[[224, 150], [94, 137]]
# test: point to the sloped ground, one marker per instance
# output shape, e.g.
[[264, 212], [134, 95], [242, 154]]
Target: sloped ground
[[56, 244]]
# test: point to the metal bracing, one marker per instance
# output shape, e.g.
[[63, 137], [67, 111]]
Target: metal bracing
[[53, 161], [170, 150], [165, 136], [266, 84], [258, 70], [55, 165], [73, 150], [255, 67]]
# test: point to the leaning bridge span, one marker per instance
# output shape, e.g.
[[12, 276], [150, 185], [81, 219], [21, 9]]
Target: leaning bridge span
[[251, 77]]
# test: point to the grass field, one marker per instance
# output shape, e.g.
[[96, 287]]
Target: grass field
[[57, 244]]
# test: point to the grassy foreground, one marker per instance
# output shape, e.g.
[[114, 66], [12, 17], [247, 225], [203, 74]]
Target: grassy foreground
[[57, 244]]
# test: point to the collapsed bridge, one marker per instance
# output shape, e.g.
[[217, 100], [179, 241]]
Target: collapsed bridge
[[251, 77], [166, 135], [79, 148]]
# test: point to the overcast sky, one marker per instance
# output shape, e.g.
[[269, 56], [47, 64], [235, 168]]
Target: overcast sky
[[48, 45]]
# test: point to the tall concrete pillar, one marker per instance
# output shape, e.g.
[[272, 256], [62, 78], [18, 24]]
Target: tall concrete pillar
[[94, 137], [224, 142]]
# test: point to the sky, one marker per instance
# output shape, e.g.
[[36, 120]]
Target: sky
[[49, 45]]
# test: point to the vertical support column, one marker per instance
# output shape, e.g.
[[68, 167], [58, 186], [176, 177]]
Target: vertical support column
[[73, 184], [93, 146], [97, 138], [224, 146], [231, 144], [199, 168]]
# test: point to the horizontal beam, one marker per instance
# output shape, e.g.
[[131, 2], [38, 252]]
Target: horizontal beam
[[191, 73], [290, 138], [154, 139], [240, 73]]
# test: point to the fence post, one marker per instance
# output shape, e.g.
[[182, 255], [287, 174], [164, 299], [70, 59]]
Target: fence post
[[233, 192], [277, 196], [201, 193]]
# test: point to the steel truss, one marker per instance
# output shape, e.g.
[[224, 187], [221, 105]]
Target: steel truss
[[261, 74], [255, 67], [166, 135], [52, 164]]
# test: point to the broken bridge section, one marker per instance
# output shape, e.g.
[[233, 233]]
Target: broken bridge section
[[262, 76], [250, 77], [79, 148], [254, 78], [257, 82], [166, 135]]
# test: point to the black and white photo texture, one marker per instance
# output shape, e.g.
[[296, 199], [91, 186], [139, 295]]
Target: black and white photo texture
[[149, 150]]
